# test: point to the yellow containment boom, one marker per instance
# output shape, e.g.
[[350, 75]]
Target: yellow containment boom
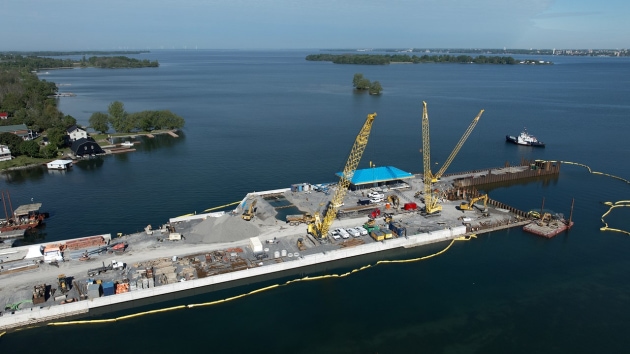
[[320, 229]]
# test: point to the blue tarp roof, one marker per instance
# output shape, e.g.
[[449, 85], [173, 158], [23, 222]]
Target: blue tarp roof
[[377, 174]]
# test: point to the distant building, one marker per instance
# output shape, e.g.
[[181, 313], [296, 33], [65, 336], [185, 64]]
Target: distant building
[[5, 153], [75, 133], [4, 115], [86, 147], [20, 130]]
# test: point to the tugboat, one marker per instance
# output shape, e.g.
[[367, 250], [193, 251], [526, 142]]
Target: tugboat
[[524, 139]]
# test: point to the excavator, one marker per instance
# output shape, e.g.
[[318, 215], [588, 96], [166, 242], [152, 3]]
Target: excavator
[[470, 205], [319, 228], [432, 207], [249, 213], [393, 200]]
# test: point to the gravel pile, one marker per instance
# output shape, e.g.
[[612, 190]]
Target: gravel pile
[[231, 227]]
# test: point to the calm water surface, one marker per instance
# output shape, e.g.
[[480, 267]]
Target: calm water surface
[[264, 120]]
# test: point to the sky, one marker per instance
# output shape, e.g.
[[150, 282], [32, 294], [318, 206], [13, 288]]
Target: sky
[[313, 24]]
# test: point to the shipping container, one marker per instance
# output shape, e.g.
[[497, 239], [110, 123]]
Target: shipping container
[[93, 291], [377, 235], [108, 288], [256, 245], [387, 233], [398, 229]]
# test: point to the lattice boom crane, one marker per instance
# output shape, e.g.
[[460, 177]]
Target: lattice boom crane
[[320, 228]]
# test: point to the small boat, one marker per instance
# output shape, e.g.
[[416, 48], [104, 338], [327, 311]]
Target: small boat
[[524, 139], [127, 144]]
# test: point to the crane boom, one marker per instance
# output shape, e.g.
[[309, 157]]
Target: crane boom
[[459, 145], [430, 201], [320, 229]]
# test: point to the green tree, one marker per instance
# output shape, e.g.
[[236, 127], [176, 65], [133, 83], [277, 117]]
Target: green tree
[[99, 121], [117, 116], [30, 148], [375, 88], [56, 137], [12, 141], [356, 79], [363, 84], [49, 151], [68, 121]]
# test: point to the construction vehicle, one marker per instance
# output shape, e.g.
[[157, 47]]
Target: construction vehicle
[[430, 199], [113, 266], [249, 213], [300, 244], [297, 219], [387, 217], [470, 205], [63, 286], [393, 200], [319, 228]]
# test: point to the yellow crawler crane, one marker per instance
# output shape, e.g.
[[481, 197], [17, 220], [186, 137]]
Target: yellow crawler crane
[[431, 200], [319, 228]]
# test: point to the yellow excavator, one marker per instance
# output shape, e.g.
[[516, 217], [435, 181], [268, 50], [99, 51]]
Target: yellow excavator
[[393, 200], [319, 228], [470, 205], [249, 213]]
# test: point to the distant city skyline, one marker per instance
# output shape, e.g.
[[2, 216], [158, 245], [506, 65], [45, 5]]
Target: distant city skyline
[[300, 24]]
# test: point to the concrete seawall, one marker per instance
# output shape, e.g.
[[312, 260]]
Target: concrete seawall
[[35, 315]]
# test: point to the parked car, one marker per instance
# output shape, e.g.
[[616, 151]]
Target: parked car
[[362, 231], [354, 232], [376, 195], [343, 233], [335, 235], [375, 200]]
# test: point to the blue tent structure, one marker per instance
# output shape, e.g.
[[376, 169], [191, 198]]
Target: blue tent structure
[[377, 176]]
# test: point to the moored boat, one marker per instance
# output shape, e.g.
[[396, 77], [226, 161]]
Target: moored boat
[[524, 139]]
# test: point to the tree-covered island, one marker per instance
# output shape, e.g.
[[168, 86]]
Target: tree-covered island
[[384, 59], [34, 63]]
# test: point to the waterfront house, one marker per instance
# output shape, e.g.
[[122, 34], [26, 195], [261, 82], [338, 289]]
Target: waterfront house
[[4, 115], [75, 133], [86, 147], [20, 130], [5, 153]]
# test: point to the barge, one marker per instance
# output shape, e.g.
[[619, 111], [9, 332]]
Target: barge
[[221, 249]]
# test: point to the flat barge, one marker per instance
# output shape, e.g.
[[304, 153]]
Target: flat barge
[[205, 252]]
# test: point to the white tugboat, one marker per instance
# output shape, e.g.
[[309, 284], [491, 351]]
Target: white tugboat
[[524, 139]]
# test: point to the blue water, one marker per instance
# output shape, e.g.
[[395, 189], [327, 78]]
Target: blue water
[[264, 120]]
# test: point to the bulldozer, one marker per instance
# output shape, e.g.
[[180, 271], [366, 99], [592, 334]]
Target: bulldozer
[[249, 213], [470, 205]]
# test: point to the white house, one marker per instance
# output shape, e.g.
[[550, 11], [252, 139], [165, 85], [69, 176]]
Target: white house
[[5, 153], [75, 133]]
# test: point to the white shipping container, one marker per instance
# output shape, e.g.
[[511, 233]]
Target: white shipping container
[[256, 245]]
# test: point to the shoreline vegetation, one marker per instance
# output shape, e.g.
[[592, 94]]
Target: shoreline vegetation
[[385, 59], [27, 100], [35, 62]]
